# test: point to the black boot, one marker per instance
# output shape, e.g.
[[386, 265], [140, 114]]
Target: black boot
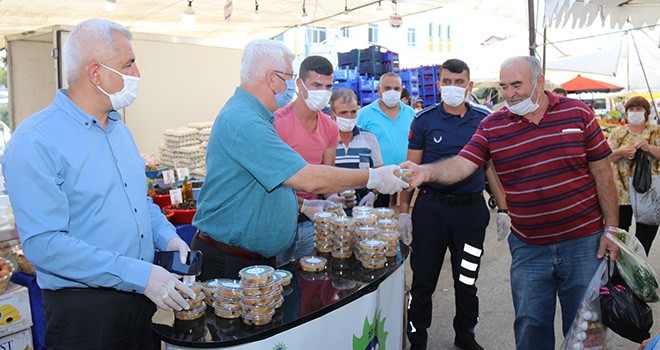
[[467, 344]]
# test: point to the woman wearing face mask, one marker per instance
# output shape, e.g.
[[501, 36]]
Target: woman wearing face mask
[[625, 141], [357, 148]]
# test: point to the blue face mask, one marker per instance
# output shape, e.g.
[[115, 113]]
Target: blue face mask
[[285, 97]]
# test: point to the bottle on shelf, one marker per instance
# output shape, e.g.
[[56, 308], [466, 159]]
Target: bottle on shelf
[[187, 190]]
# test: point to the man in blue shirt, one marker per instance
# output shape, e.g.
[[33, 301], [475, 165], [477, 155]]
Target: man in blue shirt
[[389, 119], [453, 217], [78, 190], [247, 210]]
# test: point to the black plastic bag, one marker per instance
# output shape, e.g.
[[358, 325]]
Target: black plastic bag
[[642, 175], [624, 312]]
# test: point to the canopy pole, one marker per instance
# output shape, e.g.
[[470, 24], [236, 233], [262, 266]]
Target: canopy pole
[[532, 28], [646, 79]]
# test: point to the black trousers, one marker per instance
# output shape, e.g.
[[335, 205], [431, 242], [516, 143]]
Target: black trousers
[[81, 318], [436, 228], [218, 264], [645, 233]]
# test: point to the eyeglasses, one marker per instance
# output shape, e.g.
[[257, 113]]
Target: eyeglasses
[[292, 75]]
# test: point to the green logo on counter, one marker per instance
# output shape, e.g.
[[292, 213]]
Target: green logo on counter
[[279, 346], [373, 335]]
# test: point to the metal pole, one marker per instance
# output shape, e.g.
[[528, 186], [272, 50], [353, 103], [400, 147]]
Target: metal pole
[[532, 27]]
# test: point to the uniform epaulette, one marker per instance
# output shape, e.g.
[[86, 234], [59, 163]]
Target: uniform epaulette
[[481, 108], [429, 108]]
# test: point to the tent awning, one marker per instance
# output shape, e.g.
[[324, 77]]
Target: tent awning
[[582, 84]]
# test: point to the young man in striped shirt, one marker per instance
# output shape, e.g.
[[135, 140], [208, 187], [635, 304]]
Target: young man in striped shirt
[[552, 160]]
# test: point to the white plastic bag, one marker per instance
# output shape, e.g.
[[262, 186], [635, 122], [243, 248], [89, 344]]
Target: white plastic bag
[[587, 331]]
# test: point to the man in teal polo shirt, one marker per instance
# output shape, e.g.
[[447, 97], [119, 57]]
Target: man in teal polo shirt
[[247, 209], [389, 119]]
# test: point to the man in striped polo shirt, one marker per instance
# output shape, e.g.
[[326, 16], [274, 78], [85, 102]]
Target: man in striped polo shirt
[[552, 160], [357, 148]]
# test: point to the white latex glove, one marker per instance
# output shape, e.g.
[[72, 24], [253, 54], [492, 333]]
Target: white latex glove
[[177, 243], [405, 228], [336, 198], [313, 206], [160, 289], [503, 226], [384, 181], [368, 199]]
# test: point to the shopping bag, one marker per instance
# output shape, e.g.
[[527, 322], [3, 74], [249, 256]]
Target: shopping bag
[[642, 174], [624, 312], [646, 206], [634, 268], [587, 331]]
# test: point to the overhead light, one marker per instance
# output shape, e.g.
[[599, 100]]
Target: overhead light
[[304, 17], [380, 6], [188, 15], [110, 5], [344, 16], [256, 15]]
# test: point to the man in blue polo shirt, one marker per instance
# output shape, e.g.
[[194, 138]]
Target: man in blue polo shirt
[[389, 119], [453, 217], [247, 210]]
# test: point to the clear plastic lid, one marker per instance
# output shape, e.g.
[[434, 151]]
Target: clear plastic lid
[[232, 286], [365, 219], [256, 274], [387, 223], [285, 275], [324, 217], [388, 236], [384, 212], [362, 210], [372, 245], [342, 221], [258, 319], [313, 262]]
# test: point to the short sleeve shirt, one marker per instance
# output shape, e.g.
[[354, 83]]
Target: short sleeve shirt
[[243, 201], [310, 145], [544, 168], [624, 168], [362, 152], [440, 135], [392, 135]]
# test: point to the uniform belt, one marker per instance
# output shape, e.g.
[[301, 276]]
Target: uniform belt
[[451, 199], [231, 250]]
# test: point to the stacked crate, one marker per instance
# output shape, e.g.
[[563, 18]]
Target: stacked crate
[[422, 83]]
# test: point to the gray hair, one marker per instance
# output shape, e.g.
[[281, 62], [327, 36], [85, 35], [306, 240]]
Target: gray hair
[[261, 56], [343, 96], [90, 39], [532, 62], [390, 75]]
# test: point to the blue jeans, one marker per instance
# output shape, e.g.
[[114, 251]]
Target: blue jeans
[[303, 244], [540, 273]]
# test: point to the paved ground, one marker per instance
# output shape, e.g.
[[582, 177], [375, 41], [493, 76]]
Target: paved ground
[[495, 329]]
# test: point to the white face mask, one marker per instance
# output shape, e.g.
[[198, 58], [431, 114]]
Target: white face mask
[[346, 124], [525, 106], [453, 95], [316, 99], [635, 118], [391, 98], [126, 96]]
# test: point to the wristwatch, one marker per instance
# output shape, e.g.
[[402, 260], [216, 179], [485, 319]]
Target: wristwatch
[[505, 211]]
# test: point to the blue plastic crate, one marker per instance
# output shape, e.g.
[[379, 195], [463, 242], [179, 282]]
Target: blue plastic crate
[[430, 100], [391, 66], [389, 56], [346, 74], [350, 59], [349, 84], [373, 68], [369, 84], [367, 98], [371, 54]]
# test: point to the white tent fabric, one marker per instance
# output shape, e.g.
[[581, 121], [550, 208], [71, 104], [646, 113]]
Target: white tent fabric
[[621, 61], [585, 12]]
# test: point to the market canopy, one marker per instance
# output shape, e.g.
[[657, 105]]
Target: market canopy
[[21, 17], [582, 13], [581, 84]]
